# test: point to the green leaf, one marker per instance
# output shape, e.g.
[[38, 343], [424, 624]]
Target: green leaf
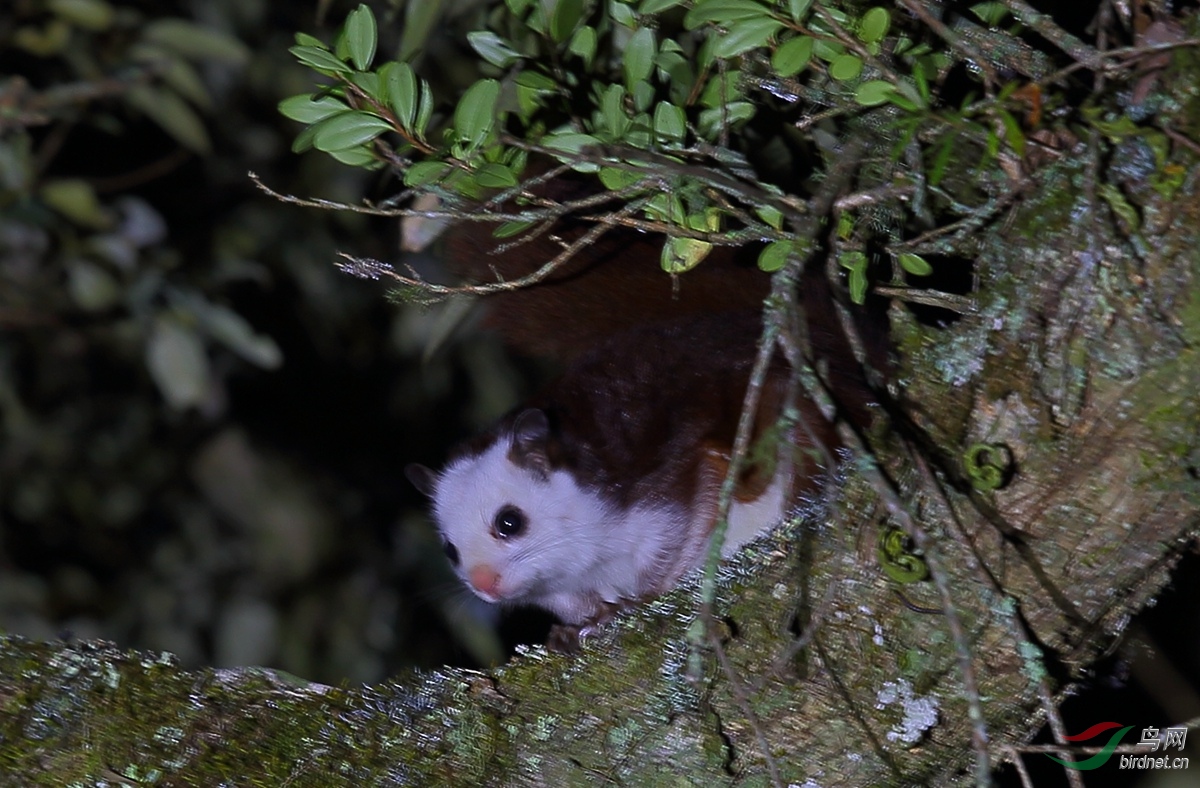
[[171, 114], [75, 199], [828, 50], [992, 148], [320, 59], [1120, 206], [566, 17], [495, 176], [747, 35], [922, 82], [722, 89], [425, 172], [536, 80], [493, 48], [774, 256], [88, 14], [234, 332], [612, 109], [476, 111], [306, 109], [643, 96], [583, 44], [178, 363], [304, 139], [941, 159], [196, 42], [348, 130], [305, 40], [361, 36], [771, 215], [400, 90], [724, 12], [641, 132], [798, 8], [357, 157], [178, 74], [904, 102], [509, 229], [622, 14], [873, 92], [845, 67], [569, 142], [368, 83], [419, 18], [615, 179], [711, 120], [669, 122], [92, 288], [1012, 131], [992, 13], [874, 25], [792, 56], [654, 6], [680, 255], [424, 110], [915, 264], [639, 57], [856, 262]]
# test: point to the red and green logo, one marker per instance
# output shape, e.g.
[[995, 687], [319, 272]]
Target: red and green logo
[[1100, 758]]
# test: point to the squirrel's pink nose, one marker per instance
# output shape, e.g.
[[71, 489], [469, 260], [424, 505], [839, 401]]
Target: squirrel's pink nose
[[485, 580]]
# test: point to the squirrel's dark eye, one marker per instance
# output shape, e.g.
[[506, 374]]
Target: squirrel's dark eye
[[451, 552], [509, 521]]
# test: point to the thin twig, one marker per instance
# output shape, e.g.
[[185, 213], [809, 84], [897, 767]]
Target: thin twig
[[743, 702], [373, 269], [897, 508]]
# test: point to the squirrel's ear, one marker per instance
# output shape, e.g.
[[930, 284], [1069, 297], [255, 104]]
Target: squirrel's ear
[[424, 479], [530, 438]]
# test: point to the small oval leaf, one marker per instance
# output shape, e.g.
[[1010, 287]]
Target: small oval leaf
[[792, 56], [874, 92], [493, 48], [320, 59], [774, 256], [476, 112], [361, 36], [306, 109], [347, 130], [639, 57], [400, 89], [746, 35], [495, 176], [845, 67], [915, 264], [425, 172], [874, 25]]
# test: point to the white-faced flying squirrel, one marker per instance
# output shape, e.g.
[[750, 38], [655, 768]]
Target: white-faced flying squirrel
[[603, 489]]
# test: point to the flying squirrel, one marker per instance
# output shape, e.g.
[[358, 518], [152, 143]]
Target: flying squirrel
[[602, 490]]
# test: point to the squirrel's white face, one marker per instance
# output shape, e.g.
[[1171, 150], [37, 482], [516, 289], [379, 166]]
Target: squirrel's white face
[[516, 530]]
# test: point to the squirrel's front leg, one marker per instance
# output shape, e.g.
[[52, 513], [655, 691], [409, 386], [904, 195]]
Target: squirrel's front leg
[[564, 638]]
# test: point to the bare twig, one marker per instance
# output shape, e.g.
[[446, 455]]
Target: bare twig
[[743, 702], [375, 268]]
